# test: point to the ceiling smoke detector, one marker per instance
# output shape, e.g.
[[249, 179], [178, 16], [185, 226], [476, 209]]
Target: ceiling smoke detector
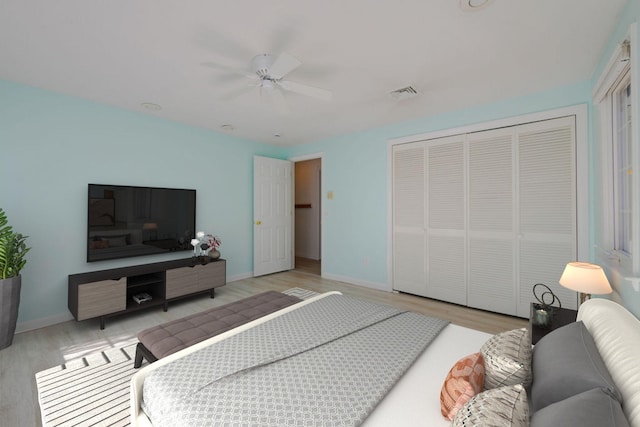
[[404, 93], [467, 5]]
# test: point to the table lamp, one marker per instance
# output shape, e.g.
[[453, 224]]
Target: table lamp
[[152, 227], [585, 278]]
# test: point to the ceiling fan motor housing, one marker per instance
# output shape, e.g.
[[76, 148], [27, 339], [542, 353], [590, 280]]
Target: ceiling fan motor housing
[[261, 64]]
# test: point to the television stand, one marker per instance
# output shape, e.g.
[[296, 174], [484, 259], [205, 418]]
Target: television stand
[[106, 293]]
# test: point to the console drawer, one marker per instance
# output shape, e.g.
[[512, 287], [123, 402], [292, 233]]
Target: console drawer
[[199, 278], [103, 297]]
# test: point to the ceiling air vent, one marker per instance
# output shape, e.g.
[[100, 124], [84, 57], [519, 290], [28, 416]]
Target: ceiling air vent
[[404, 93]]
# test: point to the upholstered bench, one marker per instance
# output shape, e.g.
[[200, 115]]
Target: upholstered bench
[[167, 338]]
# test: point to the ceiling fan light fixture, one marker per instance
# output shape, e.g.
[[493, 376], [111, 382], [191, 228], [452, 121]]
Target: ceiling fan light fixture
[[261, 64], [467, 5]]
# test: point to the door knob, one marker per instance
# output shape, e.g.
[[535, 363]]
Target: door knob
[[258, 222]]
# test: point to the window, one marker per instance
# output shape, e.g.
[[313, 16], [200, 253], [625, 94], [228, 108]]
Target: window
[[615, 100], [622, 165]]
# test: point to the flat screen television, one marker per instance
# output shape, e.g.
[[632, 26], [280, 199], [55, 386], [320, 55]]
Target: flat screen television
[[126, 221]]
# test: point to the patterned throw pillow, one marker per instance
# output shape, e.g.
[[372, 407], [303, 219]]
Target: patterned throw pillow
[[464, 380], [507, 359], [500, 407]]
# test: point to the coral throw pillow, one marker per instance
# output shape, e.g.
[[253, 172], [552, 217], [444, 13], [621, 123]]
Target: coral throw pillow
[[464, 380]]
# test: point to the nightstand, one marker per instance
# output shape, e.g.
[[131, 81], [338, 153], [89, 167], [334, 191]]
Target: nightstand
[[561, 317]]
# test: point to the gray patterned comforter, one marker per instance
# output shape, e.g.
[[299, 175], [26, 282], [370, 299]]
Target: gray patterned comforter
[[325, 364]]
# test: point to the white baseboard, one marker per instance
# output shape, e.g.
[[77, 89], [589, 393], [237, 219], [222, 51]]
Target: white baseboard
[[240, 276], [31, 325]]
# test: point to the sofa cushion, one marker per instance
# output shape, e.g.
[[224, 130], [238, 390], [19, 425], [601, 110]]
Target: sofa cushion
[[507, 359], [593, 408], [566, 362]]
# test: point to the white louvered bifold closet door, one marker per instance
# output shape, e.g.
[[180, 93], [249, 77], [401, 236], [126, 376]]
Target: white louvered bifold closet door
[[446, 240], [408, 218], [480, 218], [547, 207], [491, 221]]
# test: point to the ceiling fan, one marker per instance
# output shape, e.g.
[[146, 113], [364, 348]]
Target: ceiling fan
[[270, 73]]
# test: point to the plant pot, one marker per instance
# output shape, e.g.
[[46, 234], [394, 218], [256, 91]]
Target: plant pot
[[214, 254], [9, 303]]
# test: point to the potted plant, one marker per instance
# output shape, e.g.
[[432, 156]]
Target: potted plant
[[13, 249]]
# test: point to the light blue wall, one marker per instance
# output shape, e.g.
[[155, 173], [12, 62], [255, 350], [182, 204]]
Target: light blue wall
[[624, 291], [355, 166], [54, 145]]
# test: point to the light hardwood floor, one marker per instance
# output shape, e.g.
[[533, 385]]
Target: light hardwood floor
[[307, 265], [37, 350]]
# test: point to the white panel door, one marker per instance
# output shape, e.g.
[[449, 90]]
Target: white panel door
[[272, 215]]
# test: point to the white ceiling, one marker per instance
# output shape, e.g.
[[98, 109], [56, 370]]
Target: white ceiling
[[128, 52]]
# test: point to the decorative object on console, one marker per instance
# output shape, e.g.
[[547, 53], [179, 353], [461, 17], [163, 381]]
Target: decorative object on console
[[544, 309], [12, 259], [142, 297], [585, 278], [206, 245]]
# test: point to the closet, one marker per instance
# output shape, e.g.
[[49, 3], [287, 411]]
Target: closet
[[479, 218]]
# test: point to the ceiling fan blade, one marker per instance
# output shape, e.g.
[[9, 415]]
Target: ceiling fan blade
[[237, 93], [314, 92], [283, 65], [276, 97], [225, 69]]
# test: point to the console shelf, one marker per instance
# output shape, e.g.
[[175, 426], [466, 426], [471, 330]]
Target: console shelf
[[106, 293], [147, 279]]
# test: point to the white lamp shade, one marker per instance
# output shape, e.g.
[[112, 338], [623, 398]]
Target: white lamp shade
[[586, 278]]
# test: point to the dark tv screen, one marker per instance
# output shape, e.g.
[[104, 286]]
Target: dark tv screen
[[127, 221]]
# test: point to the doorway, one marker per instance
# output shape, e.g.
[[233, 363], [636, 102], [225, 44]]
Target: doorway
[[307, 216]]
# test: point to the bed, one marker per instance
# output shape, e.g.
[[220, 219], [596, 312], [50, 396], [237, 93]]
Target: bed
[[414, 398]]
